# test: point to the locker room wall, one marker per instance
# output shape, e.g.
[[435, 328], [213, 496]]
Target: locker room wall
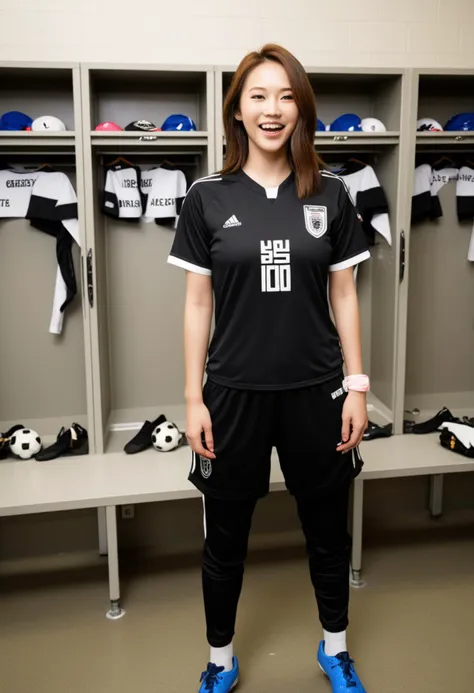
[[428, 33]]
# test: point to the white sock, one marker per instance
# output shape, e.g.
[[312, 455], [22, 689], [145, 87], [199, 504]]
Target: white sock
[[334, 643], [222, 656]]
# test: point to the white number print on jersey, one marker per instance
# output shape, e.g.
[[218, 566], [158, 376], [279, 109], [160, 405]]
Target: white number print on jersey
[[276, 269]]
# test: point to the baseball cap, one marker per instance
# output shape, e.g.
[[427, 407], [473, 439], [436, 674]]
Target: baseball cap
[[320, 127], [428, 125], [108, 126], [177, 121], [461, 121], [348, 122], [15, 120], [144, 125], [372, 125], [45, 123]]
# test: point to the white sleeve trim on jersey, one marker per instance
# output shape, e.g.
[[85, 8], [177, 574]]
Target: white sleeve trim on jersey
[[184, 264], [350, 262]]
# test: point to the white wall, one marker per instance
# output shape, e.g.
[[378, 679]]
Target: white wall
[[320, 32]]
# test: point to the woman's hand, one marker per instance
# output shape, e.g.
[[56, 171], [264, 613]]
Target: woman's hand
[[354, 420], [198, 419]]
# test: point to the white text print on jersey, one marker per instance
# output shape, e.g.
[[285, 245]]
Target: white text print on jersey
[[316, 220], [275, 266], [232, 221]]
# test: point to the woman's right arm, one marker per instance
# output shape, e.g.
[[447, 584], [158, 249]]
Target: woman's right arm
[[197, 327]]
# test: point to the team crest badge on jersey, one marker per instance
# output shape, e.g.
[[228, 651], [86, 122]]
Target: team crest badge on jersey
[[206, 467], [316, 220]]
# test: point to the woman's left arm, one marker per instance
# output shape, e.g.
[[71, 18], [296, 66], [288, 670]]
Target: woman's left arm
[[345, 308]]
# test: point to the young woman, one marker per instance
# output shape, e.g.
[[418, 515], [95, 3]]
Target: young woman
[[267, 236]]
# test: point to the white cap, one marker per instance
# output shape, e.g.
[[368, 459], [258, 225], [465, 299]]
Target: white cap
[[47, 123], [372, 125], [428, 125]]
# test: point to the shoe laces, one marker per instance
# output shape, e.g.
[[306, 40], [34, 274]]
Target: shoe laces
[[211, 676], [345, 662]]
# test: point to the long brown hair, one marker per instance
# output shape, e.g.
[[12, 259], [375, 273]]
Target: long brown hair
[[301, 155]]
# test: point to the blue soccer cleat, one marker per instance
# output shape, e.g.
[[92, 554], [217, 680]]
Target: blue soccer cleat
[[340, 671], [216, 680]]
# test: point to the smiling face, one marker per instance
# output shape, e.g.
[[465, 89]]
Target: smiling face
[[267, 108]]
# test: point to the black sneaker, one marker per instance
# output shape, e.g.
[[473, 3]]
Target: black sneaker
[[70, 441], [5, 440], [373, 431], [142, 440], [434, 423]]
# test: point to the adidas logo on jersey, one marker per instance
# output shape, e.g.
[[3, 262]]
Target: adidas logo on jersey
[[232, 221]]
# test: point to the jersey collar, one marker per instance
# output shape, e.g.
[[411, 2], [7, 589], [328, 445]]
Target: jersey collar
[[251, 183]]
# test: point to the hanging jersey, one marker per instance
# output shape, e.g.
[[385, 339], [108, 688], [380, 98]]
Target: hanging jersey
[[369, 198], [164, 190], [269, 259], [122, 193], [47, 198], [427, 184]]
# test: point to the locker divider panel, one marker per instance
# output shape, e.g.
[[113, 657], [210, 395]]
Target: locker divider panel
[[439, 316]]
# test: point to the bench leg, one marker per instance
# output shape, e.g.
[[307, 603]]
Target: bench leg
[[102, 529], [115, 611], [357, 521], [436, 495]]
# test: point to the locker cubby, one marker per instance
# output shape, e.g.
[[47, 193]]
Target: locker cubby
[[46, 380], [140, 301], [123, 94], [374, 93], [38, 91], [136, 316], [442, 95], [43, 375], [439, 363]]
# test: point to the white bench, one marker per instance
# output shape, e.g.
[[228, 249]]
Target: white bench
[[108, 481]]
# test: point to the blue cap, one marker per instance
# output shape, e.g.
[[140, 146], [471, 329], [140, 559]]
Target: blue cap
[[348, 122], [178, 122], [321, 126], [461, 121], [15, 120]]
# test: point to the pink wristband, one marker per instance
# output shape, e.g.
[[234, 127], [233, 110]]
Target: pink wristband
[[360, 383]]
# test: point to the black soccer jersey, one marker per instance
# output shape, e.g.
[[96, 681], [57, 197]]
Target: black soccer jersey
[[269, 259]]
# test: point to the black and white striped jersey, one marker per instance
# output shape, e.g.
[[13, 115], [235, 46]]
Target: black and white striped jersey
[[427, 184], [369, 198], [47, 198], [269, 255]]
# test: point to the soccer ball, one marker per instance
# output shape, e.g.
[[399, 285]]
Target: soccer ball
[[166, 437], [25, 443]]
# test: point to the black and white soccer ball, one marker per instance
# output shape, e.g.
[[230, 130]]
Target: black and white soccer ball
[[25, 443], [166, 437]]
